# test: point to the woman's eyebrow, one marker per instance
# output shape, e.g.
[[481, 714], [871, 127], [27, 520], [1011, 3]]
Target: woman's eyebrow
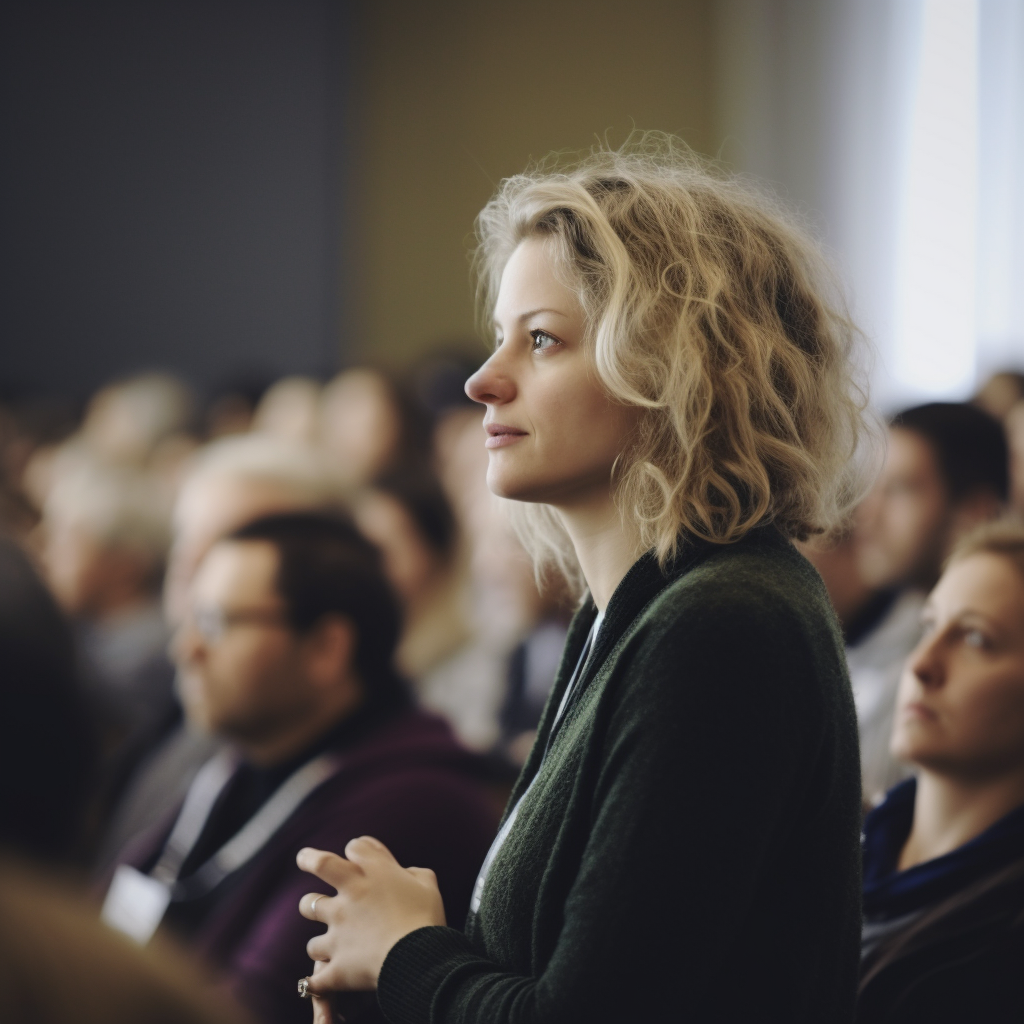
[[523, 317], [974, 613]]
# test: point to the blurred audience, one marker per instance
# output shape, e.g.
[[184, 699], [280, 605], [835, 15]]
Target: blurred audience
[[106, 530], [128, 421], [946, 471], [46, 748], [143, 422], [453, 671], [25, 426], [370, 427], [289, 410], [227, 484], [943, 936], [286, 652]]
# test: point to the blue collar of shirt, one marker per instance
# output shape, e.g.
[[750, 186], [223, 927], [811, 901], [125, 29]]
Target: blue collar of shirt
[[890, 893]]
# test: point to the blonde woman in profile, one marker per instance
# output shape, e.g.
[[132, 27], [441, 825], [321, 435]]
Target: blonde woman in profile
[[670, 401]]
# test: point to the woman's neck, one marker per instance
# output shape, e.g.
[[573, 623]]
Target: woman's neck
[[951, 812], [605, 546]]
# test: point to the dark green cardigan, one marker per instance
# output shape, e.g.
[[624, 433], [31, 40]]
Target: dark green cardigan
[[690, 850]]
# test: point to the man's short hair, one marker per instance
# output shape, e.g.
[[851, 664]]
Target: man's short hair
[[969, 444], [423, 498], [327, 567]]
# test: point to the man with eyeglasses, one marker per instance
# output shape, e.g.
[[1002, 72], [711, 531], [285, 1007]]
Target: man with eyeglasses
[[285, 652]]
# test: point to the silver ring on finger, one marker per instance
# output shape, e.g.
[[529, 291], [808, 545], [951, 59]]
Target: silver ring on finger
[[312, 906]]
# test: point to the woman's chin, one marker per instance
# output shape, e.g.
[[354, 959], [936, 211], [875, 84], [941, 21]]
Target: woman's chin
[[508, 485]]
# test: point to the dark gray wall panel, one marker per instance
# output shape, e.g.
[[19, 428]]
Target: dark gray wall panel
[[171, 181]]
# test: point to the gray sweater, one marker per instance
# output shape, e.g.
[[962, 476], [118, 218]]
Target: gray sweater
[[690, 849]]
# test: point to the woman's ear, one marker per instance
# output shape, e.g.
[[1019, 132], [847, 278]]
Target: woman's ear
[[329, 650]]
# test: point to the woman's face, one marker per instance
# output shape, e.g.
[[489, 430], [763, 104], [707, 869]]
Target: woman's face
[[552, 431], [960, 710]]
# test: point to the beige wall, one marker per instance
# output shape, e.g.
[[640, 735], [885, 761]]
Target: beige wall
[[454, 95]]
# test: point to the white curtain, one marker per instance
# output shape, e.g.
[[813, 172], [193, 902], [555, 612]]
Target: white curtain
[[897, 126]]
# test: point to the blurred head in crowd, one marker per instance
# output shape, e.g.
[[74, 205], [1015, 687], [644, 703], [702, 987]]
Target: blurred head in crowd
[[1000, 393], [409, 518], [25, 426], [1014, 424], [106, 530], [946, 471], [127, 420], [370, 426], [291, 627], [462, 464], [143, 423], [438, 378], [289, 410], [232, 408], [45, 748], [837, 561], [961, 698], [232, 482]]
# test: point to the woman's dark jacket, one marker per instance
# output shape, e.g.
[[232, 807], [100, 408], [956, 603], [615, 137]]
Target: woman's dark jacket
[[954, 945], [690, 850]]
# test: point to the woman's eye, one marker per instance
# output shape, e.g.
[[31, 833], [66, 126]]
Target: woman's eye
[[542, 340], [975, 638]]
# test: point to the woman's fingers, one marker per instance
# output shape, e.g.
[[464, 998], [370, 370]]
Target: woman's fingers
[[322, 1012], [367, 852], [309, 904], [318, 948], [328, 867], [424, 875], [317, 980], [378, 902]]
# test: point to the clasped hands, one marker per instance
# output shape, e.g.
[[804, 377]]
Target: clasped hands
[[378, 902]]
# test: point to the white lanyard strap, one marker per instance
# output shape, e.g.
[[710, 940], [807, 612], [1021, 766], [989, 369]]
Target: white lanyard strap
[[203, 794]]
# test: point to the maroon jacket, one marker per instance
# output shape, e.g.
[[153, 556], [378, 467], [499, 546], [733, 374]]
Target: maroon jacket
[[409, 784]]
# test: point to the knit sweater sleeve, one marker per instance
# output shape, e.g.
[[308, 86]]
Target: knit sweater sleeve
[[706, 753]]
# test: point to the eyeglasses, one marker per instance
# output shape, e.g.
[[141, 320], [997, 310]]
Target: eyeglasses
[[213, 623]]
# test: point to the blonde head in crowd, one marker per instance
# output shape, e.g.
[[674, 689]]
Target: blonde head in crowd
[[715, 316], [1004, 537]]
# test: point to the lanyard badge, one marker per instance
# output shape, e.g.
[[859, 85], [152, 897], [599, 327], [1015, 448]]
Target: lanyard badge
[[136, 903]]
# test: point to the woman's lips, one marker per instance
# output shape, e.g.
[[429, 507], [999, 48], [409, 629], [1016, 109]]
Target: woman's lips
[[915, 709], [500, 436]]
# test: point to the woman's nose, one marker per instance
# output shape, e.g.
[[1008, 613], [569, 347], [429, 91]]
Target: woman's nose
[[489, 385], [926, 661]]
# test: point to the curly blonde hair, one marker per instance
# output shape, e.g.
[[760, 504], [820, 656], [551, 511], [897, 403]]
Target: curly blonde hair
[[709, 310]]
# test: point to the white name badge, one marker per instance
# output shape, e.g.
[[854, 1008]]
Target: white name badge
[[135, 904]]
